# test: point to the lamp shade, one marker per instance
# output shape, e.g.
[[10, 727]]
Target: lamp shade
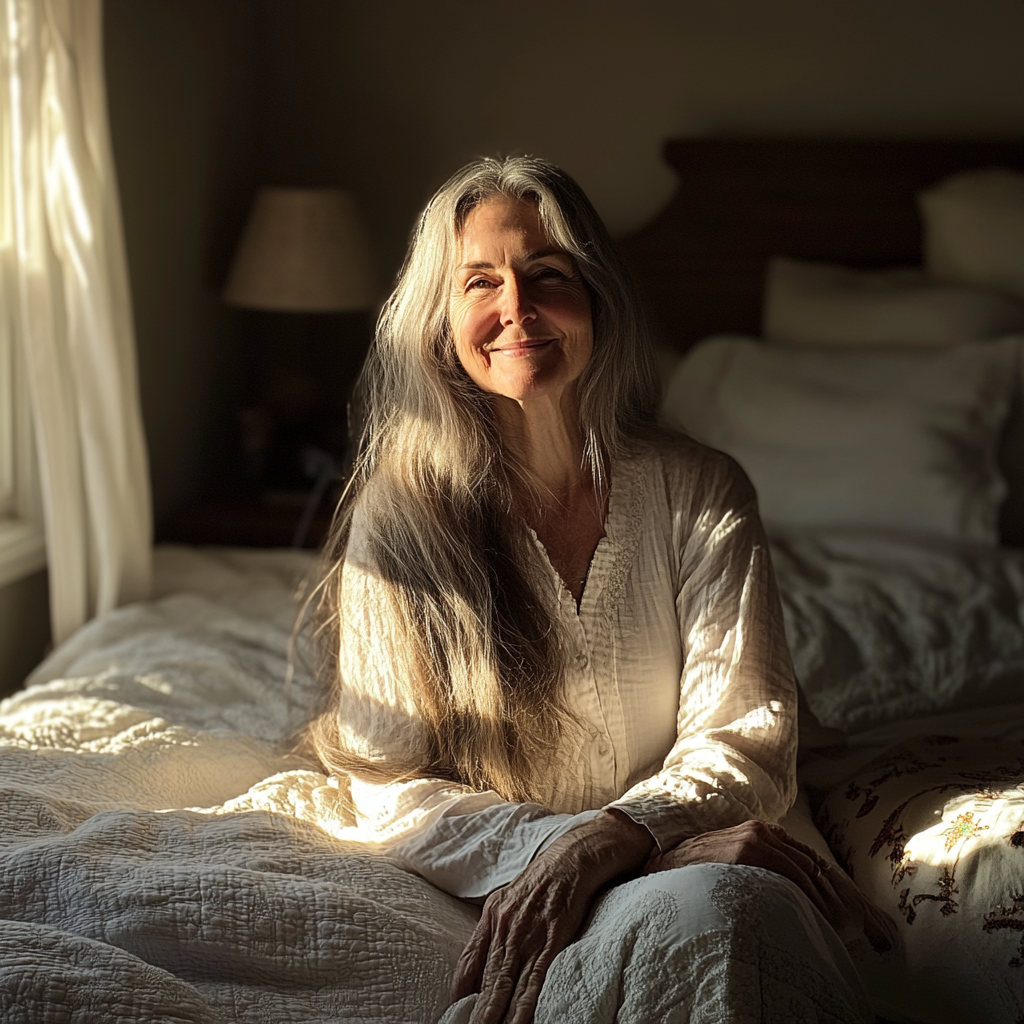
[[303, 251]]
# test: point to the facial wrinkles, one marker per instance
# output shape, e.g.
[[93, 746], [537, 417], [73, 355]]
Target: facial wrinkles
[[518, 308], [514, 291]]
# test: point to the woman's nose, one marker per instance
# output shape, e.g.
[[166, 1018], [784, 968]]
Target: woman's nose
[[517, 306]]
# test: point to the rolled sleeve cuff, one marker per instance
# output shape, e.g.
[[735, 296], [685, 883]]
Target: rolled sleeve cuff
[[472, 858]]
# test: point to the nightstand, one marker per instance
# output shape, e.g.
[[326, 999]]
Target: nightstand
[[247, 520]]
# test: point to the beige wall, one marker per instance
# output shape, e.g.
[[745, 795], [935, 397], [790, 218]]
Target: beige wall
[[210, 98], [390, 97], [180, 91]]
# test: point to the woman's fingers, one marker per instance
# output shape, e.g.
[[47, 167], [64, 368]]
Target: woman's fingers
[[879, 927], [500, 973], [765, 845], [521, 943], [512, 979], [501, 958], [804, 873], [497, 987], [819, 875], [531, 982], [840, 900], [474, 958], [836, 895], [807, 854]]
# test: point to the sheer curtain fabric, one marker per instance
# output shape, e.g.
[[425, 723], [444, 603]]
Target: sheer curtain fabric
[[65, 292]]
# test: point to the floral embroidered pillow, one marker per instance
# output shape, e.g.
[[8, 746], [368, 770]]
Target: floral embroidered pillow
[[933, 832]]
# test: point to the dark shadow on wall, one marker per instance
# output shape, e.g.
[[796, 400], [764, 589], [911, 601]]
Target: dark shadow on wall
[[24, 628]]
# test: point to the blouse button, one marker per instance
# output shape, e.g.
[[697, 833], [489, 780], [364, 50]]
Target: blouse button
[[582, 660]]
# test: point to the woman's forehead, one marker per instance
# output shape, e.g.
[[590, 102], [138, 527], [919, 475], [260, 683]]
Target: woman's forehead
[[503, 213], [502, 224]]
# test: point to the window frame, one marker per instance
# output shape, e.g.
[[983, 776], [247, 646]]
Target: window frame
[[22, 535]]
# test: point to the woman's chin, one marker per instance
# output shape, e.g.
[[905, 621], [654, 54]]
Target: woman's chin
[[534, 393], [532, 383]]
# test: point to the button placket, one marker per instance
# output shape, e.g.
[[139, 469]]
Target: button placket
[[623, 529]]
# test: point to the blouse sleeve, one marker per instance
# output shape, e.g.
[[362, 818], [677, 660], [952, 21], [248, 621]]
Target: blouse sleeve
[[734, 757], [463, 841]]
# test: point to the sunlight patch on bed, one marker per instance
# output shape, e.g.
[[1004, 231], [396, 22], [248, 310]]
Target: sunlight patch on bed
[[965, 825], [304, 794]]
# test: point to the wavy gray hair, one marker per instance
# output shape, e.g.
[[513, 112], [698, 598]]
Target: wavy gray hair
[[440, 499]]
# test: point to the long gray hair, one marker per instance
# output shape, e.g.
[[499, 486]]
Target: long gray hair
[[474, 631]]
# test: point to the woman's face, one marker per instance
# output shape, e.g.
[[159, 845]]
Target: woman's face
[[519, 310]]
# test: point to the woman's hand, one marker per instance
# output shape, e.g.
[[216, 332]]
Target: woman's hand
[[526, 924], [763, 845]]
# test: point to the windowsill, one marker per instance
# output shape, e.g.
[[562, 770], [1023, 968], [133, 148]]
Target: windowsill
[[22, 550]]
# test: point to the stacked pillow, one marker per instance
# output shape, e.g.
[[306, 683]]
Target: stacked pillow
[[884, 438], [866, 408], [820, 304], [974, 229]]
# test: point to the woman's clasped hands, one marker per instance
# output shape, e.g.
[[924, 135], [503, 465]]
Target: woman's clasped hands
[[527, 923]]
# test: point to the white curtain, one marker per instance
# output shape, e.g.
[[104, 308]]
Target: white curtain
[[65, 283]]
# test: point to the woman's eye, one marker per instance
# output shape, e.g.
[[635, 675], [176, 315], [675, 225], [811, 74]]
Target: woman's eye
[[554, 275], [479, 284]]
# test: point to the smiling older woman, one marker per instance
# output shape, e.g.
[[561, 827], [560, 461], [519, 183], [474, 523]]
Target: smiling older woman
[[558, 677]]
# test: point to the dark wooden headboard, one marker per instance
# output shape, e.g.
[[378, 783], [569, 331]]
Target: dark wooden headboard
[[700, 264]]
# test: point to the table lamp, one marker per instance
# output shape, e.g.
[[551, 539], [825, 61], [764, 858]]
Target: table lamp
[[303, 251]]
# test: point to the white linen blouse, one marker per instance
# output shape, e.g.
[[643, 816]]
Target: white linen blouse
[[681, 676]]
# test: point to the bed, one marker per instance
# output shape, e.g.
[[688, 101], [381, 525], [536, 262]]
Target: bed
[[163, 856], [877, 410]]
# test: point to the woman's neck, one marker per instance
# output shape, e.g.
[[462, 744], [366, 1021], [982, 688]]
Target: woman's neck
[[566, 507], [546, 438]]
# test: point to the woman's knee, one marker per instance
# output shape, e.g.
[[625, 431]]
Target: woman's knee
[[734, 897], [720, 940]]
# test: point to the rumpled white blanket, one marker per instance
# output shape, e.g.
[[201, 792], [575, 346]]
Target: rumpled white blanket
[[886, 627], [161, 858]]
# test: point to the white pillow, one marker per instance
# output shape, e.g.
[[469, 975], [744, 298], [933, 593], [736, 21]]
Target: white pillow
[[974, 229], [899, 439], [822, 304]]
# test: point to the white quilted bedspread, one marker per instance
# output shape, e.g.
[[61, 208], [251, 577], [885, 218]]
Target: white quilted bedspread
[[161, 858], [164, 858]]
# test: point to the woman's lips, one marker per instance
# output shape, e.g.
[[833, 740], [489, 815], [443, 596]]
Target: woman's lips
[[523, 348]]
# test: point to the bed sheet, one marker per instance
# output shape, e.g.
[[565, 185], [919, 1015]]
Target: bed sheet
[[886, 627], [163, 858]]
